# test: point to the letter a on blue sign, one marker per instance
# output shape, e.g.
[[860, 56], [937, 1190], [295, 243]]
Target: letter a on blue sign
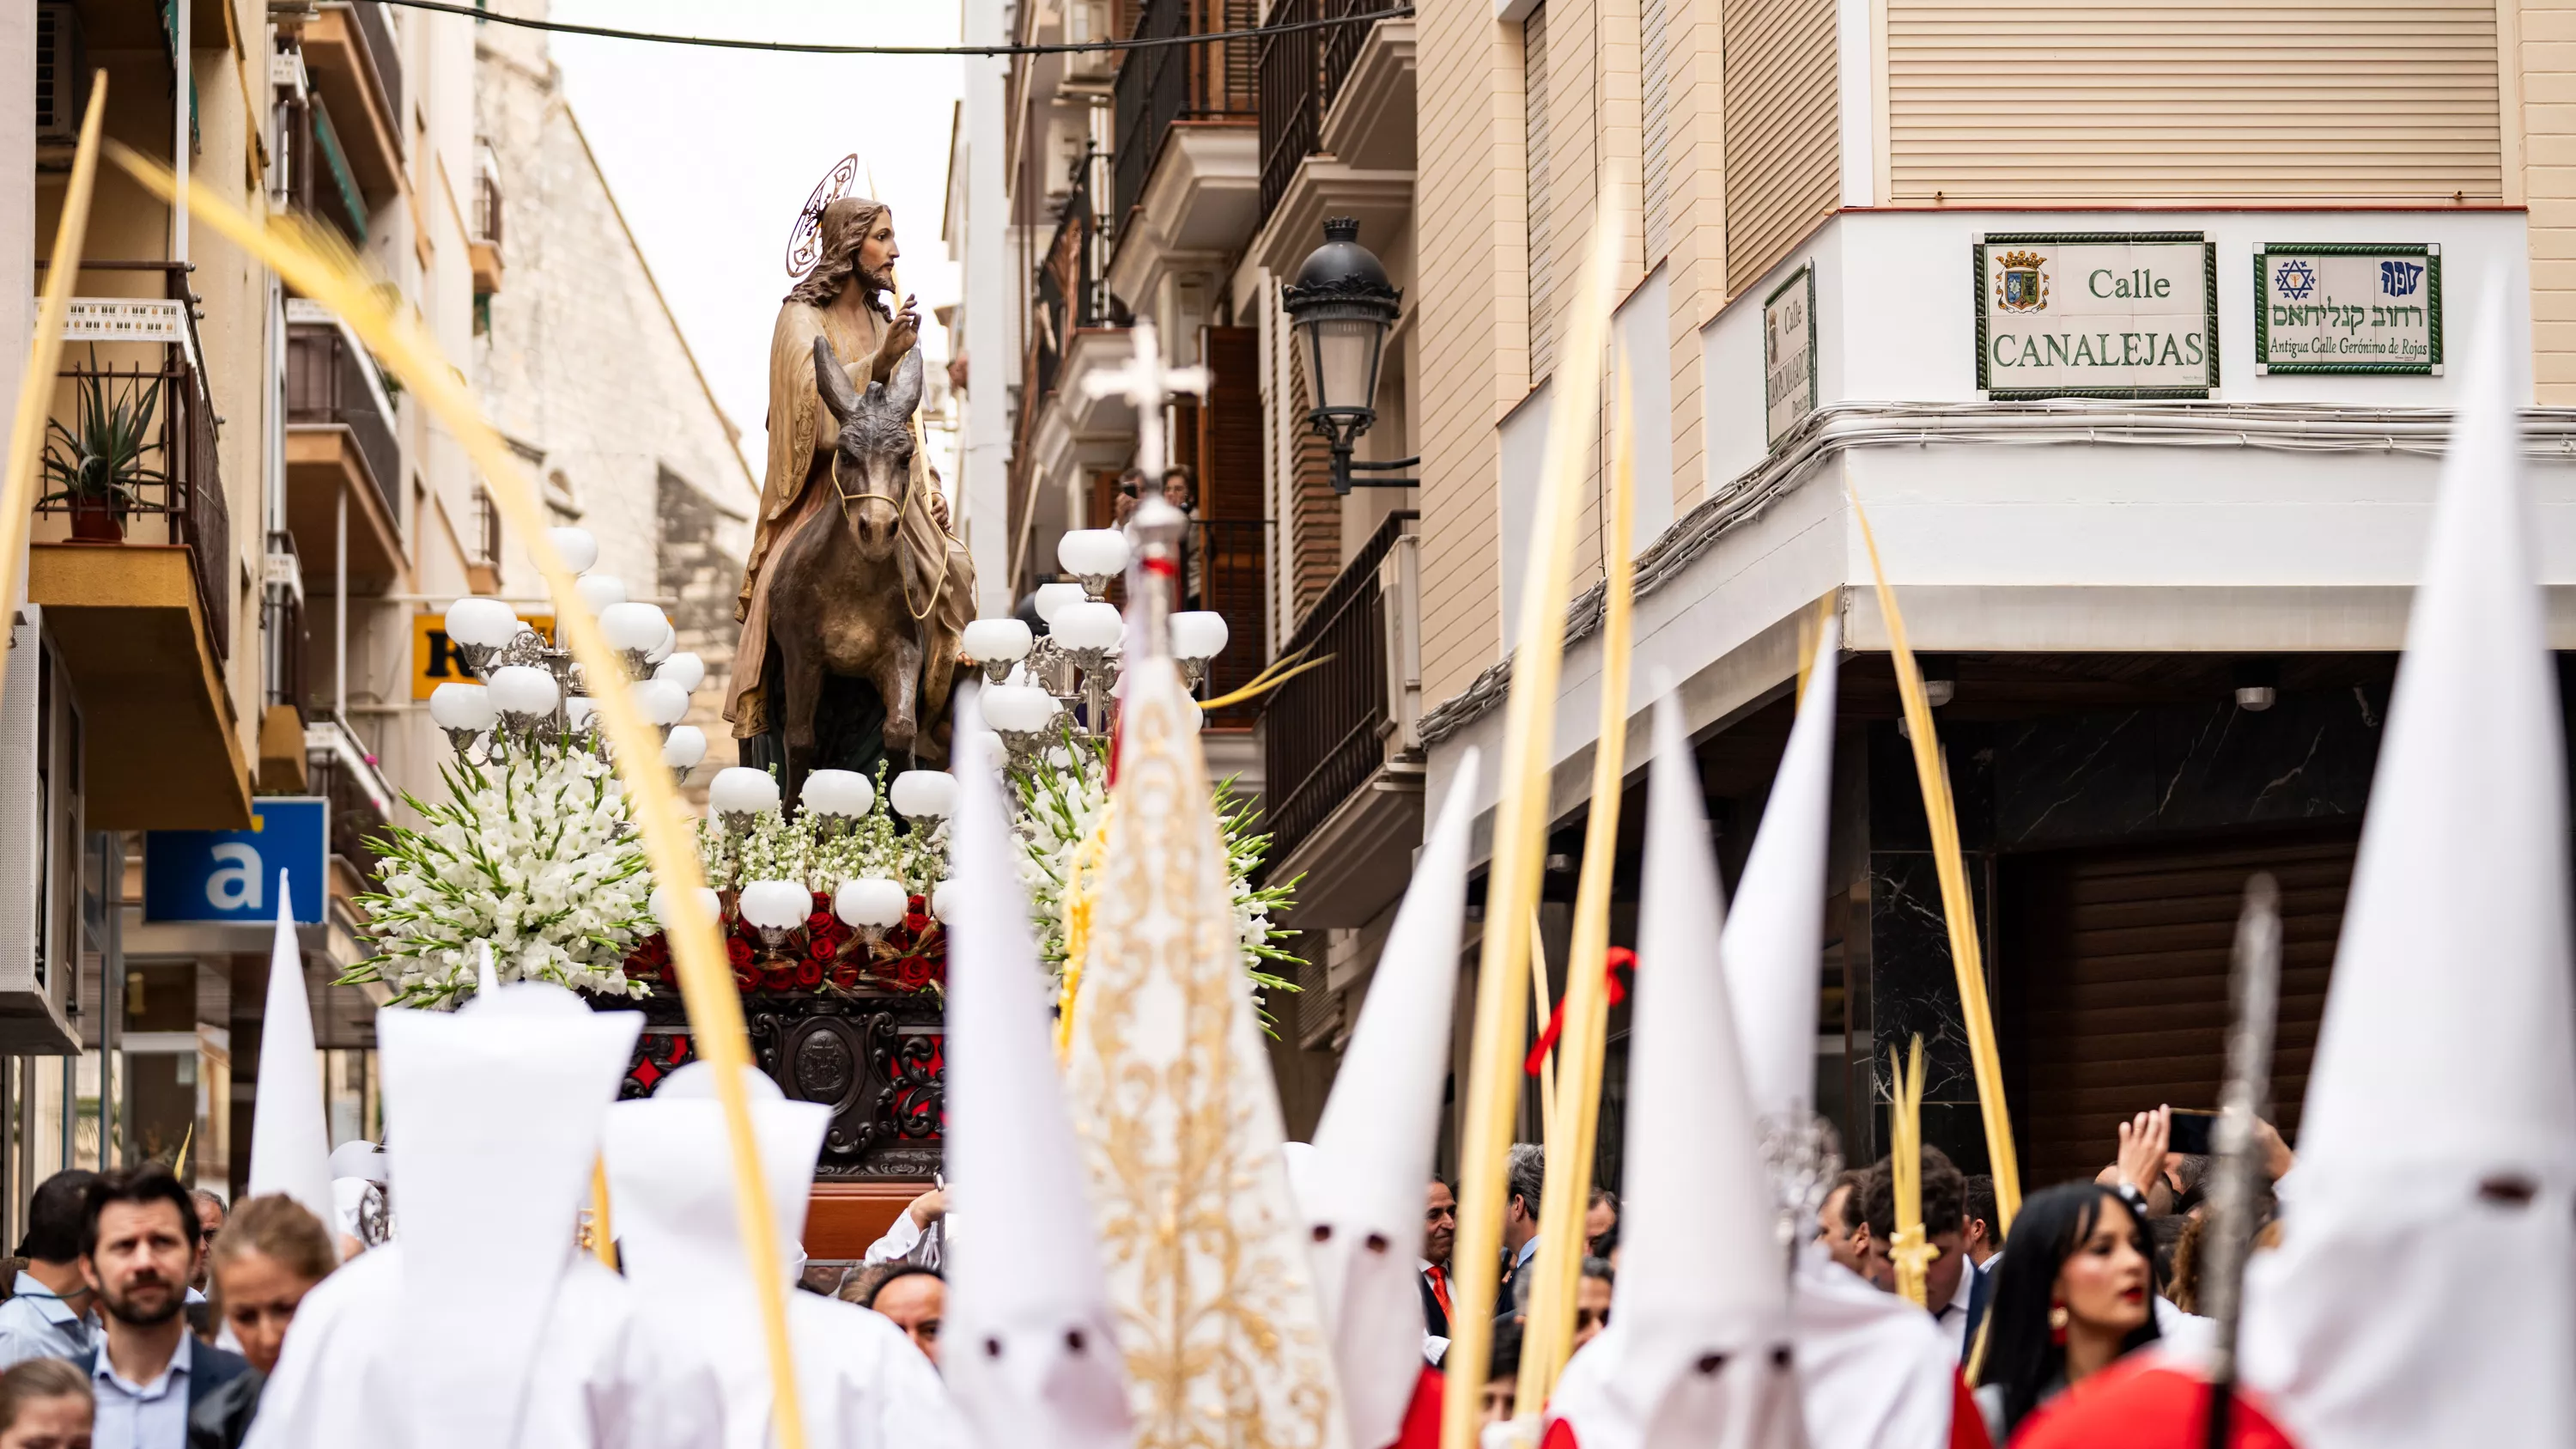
[[232, 875]]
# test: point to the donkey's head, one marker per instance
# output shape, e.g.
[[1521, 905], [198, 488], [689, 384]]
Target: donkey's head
[[872, 463]]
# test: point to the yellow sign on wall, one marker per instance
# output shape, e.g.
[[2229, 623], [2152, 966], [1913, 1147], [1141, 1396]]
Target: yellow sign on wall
[[434, 660]]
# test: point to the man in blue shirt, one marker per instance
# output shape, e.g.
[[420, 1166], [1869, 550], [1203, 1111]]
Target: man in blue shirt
[[138, 1246], [48, 1312]]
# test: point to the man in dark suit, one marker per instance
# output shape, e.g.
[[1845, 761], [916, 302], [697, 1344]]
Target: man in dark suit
[[1439, 1233], [138, 1247]]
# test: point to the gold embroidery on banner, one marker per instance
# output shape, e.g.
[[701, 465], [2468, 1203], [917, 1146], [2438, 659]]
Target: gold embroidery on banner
[[1217, 1322]]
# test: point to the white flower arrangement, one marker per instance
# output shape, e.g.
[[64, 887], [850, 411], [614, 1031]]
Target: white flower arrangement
[[535, 854], [1061, 797]]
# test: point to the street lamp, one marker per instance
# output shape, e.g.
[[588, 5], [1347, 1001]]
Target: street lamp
[[1342, 305]]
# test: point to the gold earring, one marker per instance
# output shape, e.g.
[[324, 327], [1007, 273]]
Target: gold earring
[[2057, 1319]]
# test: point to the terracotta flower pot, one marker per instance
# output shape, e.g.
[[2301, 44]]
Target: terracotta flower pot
[[96, 520]]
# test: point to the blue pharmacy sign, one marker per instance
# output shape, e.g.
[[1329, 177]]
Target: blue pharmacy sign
[[231, 875]]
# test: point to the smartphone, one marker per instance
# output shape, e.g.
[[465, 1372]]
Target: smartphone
[[2192, 1132]]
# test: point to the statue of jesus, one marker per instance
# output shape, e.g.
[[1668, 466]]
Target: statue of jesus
[[842, 299]]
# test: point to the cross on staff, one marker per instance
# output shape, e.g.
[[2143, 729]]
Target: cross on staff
[[1148, 384]]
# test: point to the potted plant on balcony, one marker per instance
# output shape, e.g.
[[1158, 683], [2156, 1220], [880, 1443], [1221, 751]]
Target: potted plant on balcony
[[97, 468]]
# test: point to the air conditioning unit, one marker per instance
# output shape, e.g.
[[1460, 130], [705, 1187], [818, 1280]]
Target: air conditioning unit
[[62, 75], [40, 845]]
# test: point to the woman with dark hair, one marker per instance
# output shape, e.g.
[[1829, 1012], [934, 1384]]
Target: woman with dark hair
[[2075, 1293]]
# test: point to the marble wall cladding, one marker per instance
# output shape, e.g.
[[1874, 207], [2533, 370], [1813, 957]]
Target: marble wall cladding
[[2068, 780], [2084, 779], [1913, 987]]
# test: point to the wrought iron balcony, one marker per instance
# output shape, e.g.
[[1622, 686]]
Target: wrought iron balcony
[[329, 383], [1162, 86], [1329, 729], [1302, 71], [180, 483]]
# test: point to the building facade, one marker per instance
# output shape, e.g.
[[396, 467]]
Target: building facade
[[245, 646], [2136, 360], [2130, 326]]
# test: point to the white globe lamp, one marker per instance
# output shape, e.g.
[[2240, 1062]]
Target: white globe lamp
[[578, 549], [739, 795], [922, 794], [684, 747], [871, 904], [684, 669]]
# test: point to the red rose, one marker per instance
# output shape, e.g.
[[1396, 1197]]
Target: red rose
[[818, 949], [809, 974], [915, 922], [744, 977], [779, 978], [738, 951], [846, 977], [818, 923], [912, 971]]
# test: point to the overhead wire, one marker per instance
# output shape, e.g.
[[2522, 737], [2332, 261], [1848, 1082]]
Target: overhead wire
[[803, 47]]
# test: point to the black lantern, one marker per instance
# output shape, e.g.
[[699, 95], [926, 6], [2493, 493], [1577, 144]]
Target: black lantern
[[1342, 306]]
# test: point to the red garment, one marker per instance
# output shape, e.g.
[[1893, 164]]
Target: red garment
[[2145, 1403], [1422, 1417], [1967, 1423]]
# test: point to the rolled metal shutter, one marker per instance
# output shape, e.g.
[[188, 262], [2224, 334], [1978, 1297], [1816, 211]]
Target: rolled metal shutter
[[2114, 984]]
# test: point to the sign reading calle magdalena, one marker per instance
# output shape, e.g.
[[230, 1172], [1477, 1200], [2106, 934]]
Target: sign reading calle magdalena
[[2094, 315]]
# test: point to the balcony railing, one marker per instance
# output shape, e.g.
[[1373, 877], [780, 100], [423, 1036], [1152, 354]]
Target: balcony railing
[[282, 631], [1301, 73], [1068, 284], [188, 493], [1226, 575], [328, 383], [1161, 86], [1327, 729], [376, 31], [337, 769]]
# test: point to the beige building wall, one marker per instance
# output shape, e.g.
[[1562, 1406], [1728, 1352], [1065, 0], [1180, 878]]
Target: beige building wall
[[2316, 102], [1725, 117], [1473, 316], [2544, 35]]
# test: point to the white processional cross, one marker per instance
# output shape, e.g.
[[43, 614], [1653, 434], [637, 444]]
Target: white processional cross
[[1148, 384]]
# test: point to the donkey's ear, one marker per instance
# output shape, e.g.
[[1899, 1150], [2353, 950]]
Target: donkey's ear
[[905, 394], [832, 382]]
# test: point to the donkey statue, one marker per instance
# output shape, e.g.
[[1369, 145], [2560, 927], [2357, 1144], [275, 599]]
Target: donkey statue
[[857, 596]]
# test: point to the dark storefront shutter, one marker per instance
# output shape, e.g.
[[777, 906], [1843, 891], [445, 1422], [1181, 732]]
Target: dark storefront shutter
[[2115, 985]]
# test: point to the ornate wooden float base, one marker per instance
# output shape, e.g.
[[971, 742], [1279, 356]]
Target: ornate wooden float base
[[875, 1060]]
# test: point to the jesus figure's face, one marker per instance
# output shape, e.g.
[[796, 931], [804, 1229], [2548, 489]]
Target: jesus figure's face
[[878, 252]]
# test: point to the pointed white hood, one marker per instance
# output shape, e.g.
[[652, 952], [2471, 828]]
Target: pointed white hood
[[1775, 934], [1698, 1351], [2422, 1293], [494, 1115], [1372, 1154], [670, 1184], [1031, 1350], [290, 1143]]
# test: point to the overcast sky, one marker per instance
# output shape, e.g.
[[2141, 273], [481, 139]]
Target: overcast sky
[[711, 154]]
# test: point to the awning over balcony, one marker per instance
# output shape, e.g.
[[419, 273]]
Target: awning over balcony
[[161, 748]]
